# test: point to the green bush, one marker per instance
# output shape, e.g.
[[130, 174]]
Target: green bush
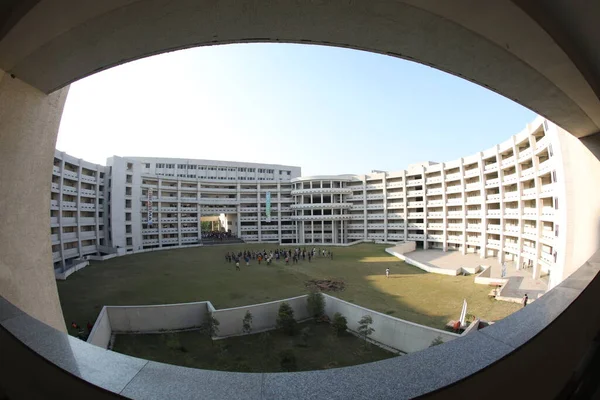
[[339, 324], [287, 361], [285, 319], [315, 303], [364, 327], [247, 323]]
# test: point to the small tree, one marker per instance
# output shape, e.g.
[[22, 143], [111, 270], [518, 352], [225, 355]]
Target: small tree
[[364, 327], [210, 327], [437, 341], [247, 323], [315, 303], [287, 360], [339, 324], [285, 319]]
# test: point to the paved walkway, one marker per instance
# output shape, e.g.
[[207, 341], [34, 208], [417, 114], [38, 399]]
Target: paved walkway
[[451, 260], [519, 281]]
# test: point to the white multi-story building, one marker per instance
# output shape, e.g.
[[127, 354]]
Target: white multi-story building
[[503, 202], [77, 209], [158, 202]]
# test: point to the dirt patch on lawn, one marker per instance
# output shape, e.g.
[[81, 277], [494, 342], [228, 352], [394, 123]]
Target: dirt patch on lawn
[[325, 285]]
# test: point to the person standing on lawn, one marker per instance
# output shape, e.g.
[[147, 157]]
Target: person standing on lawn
[[387, 272]]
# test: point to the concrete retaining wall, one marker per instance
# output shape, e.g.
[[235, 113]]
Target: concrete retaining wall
[[483, 278], [264, 316], [102, 331], [157, 318], [102, 257], [391, 332], [63, 275], [428, 268], [405, 336]]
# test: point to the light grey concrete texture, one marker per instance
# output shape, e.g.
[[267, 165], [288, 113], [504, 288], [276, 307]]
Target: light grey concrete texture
[[264, 316], [93, 364], [163, 381], [467, 41], [156, 318], [28, 127], [399, 334], [102, 331]]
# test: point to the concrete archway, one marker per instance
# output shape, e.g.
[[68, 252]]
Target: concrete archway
[[545, 62]]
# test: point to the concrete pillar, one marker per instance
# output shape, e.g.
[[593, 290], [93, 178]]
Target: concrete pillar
[[29, 122], [444, 208], [482, 193], [78, 211]]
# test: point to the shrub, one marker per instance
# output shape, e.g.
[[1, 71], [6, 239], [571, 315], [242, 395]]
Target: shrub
[[364, 327], [210, 327], [285, 319], [287, 360], [247, 323], [315, 303], [437, 341], [340, 324]]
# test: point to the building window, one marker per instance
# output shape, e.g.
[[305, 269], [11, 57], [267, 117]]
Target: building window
[[550, 150], [556, 203], [555, 232], [554, 176], [147, 165], [555, 256]]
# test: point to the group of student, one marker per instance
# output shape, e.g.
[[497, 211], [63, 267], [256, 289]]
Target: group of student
[[294, 255]]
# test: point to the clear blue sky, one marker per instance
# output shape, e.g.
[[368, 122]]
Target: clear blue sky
[[327, 110]]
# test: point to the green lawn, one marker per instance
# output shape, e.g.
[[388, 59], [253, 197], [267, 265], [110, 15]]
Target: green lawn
[[201, 273], [252, 353]]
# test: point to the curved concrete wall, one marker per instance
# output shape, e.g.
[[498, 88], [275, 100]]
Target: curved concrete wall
[[465, 39]]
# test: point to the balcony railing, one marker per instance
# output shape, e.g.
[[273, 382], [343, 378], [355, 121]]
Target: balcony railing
[[452, 177], [543, 142], [527, 172], [509, 160], [525, 153], [414, 182], [492, 182], [415, 215], [491, 166]]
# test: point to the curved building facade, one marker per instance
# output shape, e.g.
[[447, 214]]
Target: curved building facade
[[504, 202]]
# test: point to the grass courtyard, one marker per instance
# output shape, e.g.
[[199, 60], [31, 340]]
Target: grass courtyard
[[260, 352], [201, 273]]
